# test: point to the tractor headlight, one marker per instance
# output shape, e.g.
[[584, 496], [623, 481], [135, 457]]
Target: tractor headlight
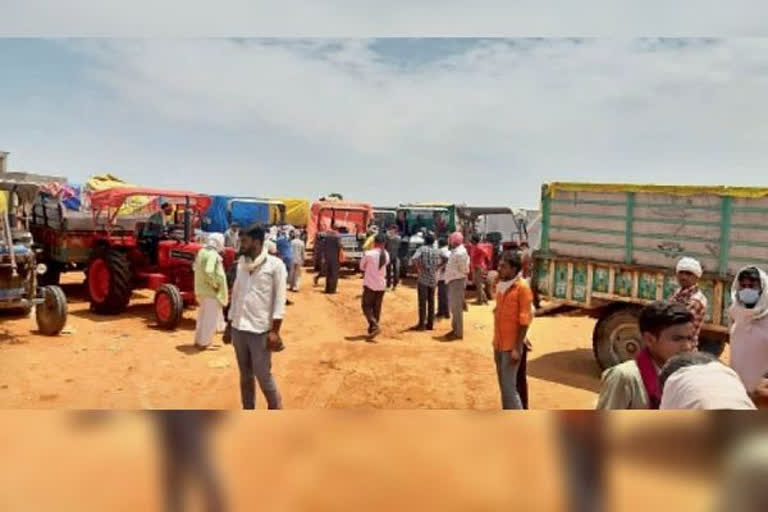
[[41, 268]]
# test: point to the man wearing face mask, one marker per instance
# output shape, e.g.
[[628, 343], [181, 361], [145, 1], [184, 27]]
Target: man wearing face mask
[[749, 327]]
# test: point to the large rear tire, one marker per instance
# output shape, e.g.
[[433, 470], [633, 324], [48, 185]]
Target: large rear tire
[[616, 337], [51, 314], [169, 306], [109, 282]]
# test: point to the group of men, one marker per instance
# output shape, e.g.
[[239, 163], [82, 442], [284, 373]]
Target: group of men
[[676, 369]]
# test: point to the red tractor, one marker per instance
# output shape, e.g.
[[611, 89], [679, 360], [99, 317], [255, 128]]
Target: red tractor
[[160, 260]]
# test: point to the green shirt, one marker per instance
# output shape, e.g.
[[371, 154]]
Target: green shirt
[[210, 278], [622, 388]]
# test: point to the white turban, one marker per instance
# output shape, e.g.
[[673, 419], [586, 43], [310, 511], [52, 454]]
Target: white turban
[[689, 265], [215, 241], [705, 386]]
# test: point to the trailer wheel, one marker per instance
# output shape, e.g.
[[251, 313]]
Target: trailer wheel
[[52, 312], [108, 282], [616, 337], [169, 306]]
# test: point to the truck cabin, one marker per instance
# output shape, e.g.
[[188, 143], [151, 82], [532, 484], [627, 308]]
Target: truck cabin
[[384, 217], [346, 220], [412, 219], [248, 211]]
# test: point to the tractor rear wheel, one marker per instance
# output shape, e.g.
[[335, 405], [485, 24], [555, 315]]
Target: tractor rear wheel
[[109, 282], [52, 312], [616, 337], [169, 306]]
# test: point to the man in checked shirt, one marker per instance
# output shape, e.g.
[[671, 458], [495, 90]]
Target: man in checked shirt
[[688, 274]]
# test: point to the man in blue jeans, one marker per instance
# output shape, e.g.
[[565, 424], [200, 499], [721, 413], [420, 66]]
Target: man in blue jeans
[[256, 313]]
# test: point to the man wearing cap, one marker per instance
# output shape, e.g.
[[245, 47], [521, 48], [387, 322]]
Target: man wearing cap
[[688, 274]]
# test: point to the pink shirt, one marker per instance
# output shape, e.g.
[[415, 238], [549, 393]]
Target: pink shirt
[[375, 277]]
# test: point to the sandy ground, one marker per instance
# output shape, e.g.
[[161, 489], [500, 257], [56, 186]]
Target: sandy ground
[[125, 362], [323, 461]]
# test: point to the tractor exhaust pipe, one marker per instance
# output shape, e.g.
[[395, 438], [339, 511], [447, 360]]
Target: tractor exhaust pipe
[[187, 223], [9, 243]]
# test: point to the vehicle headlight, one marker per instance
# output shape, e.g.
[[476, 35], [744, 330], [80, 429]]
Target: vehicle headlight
[[41, 268]]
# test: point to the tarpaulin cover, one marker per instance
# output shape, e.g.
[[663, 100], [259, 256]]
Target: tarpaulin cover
[[296, 211], [677, 190], [132, 206], [216, 219], [67, 193], [117, 196]]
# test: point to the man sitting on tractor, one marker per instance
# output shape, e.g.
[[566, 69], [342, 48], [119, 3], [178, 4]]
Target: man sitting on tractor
[[158, 221], [156, 228]]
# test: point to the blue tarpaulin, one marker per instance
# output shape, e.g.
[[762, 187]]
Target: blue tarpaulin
[[216, 219]]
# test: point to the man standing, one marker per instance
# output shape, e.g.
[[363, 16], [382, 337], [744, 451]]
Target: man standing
[[299, 253], [511, 319], [374, 267], [456, 278], [442, 288], [331, 250], [256, 313], [688, 274], [393, 248], [667, 330], [232, 236], [749, 328], [211, 290], [527, 259], [480, 262], [426, 259]]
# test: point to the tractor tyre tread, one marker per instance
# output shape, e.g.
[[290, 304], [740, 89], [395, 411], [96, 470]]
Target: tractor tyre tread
[[177, 304], [120, 280], [51, 321]]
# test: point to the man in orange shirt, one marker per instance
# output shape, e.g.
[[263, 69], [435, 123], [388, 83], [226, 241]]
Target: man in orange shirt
[[511, 318]]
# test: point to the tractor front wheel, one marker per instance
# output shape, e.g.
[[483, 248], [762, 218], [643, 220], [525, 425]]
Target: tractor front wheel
[[169, 306], [52, 312], [109, 282]]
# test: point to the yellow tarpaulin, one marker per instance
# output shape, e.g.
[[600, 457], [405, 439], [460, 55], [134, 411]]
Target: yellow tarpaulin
[[296, 211], [675, 190], [3, 201], [106, 181]]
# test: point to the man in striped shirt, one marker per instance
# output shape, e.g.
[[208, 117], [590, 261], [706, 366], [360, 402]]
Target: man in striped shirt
[[688, 274], [427, 259]]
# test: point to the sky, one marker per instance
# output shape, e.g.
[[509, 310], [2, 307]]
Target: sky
[[482, 121]]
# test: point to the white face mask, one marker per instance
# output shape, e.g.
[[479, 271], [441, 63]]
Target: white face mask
[[749, 296]]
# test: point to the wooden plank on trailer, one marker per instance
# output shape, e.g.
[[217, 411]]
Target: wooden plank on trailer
[[611, 279], [635, 283], [717, 303], [590, 278], [659, 286], [551, 278], [569, 283]]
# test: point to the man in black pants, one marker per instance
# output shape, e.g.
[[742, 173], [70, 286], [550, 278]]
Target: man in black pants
[[393, 249], [427, 259], [331, 248]]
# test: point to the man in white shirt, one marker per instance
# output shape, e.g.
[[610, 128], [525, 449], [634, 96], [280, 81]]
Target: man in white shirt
[[456, 276], [256, 314], [299, 254]]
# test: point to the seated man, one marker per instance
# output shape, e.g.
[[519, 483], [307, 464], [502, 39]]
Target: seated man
[[158, 221], [667, 330]]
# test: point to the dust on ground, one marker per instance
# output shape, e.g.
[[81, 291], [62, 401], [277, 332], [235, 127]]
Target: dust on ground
[[124, 361]]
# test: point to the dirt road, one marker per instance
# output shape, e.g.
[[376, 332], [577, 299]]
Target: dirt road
[[125, 362]]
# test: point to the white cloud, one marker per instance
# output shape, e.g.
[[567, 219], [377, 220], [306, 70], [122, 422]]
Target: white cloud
[[487, 125], [365, 18]]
